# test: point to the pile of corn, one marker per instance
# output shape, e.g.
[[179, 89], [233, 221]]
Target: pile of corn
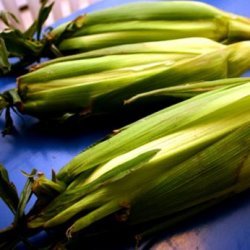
[[169, 165], [131, 51]]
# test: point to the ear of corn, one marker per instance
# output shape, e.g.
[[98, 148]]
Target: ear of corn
[[97, 41], [50, 91], [140, 11], [138, 22], [174, 163], [189, 184], [76, 68], [97, 93], [186, 46], [102, 84]]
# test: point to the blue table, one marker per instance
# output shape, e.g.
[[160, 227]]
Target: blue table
[[225, 227]]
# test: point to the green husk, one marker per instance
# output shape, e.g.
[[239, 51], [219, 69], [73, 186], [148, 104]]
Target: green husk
[[104, 91], [149, 21], [205, 27], [67, 70], [130, 23], [200, 179], [42, 187], [205, 176], [139, 11], [181, 47], [98, 41], [188, 90], [114, 170]]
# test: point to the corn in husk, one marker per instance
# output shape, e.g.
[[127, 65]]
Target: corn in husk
[[102, 84], [169, 165], [149, 21]]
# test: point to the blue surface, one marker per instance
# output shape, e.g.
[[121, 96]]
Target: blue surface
[[225, 227]]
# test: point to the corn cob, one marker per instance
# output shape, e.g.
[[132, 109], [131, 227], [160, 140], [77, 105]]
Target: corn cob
[[164, 170], [149, 21], [46, 93]]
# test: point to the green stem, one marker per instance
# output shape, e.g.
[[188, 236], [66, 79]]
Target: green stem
[[7, 101]]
